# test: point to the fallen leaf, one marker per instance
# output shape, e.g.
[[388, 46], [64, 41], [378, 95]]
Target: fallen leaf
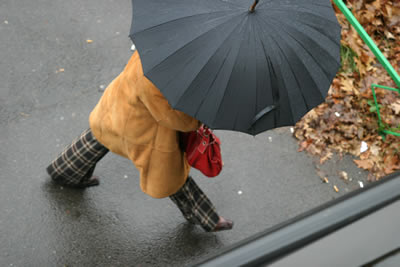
[[366, 164], [389, 35], [326, 157], [396, 107]]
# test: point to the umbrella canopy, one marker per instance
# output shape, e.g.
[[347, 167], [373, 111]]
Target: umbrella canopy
[[239, 65]]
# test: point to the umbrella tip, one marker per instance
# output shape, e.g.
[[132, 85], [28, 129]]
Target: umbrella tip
[[253, 6]]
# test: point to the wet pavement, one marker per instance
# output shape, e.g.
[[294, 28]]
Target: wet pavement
[[51, 78]]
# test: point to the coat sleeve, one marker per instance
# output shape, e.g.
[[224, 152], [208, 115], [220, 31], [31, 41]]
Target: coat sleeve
[[163, 113]]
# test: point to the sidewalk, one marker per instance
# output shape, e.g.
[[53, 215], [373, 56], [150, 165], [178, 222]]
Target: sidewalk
[[51, 79]]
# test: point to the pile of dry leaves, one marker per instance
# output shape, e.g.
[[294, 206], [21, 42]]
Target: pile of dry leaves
[[347, 121]]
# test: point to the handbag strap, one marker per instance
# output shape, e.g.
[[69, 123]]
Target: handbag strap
[[204, 143], [208, 136]]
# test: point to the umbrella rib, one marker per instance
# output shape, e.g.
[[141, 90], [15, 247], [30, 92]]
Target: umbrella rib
[[337, 41], [223, 63], [272, 71], [273, 89], [219, 107], [255, 42], [174, 20], [297, 81], [295, 76], [307, 51], [282, 56], [215, 52], [187, 45], [256, 94], [182, 47], [291, 26], [209, 88], [230, 3], [328, 4], [290, 8], [336, 24], [237, 110]]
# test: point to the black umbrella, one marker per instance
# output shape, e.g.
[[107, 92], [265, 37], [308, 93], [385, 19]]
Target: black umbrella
[[238, 64]]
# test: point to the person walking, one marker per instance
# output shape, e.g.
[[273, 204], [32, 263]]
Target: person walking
[[133, 119]]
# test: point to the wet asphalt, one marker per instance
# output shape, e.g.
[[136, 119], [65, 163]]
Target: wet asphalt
[[50, 79]]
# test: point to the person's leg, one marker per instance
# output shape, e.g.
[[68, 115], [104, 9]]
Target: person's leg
[[183, 202], [197, 208], [75, 165]]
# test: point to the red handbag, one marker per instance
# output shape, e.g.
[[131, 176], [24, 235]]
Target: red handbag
[[203, 151]]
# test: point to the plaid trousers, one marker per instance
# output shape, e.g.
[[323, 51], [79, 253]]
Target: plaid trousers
[[195, 205], [77, 162]]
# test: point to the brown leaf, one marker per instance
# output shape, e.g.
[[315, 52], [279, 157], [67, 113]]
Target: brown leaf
[[328, 155], [366, 164], [396, 107]]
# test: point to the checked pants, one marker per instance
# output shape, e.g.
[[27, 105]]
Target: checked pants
[[77, 162]]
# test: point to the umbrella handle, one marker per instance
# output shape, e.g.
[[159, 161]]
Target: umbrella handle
[[253, 6], [262, 113]]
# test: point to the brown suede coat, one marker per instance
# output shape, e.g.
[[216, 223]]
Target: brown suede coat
[[134, 120]]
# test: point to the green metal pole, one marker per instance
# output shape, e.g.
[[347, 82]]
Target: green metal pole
[[383, 132], [367, 39]]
